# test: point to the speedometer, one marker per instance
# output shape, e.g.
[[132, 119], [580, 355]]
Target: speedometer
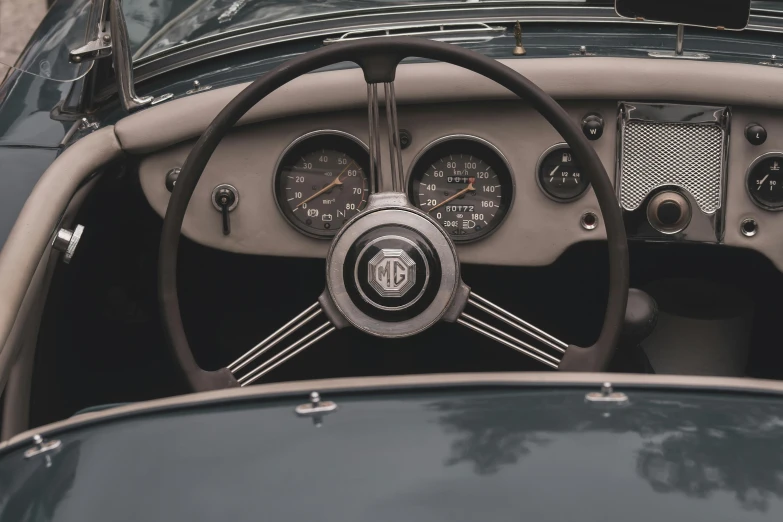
[[464, 183], [322, 181]]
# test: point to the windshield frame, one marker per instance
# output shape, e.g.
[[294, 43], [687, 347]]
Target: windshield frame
[[330, 24]]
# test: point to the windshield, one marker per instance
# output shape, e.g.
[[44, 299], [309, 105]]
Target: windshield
[[156, 25]]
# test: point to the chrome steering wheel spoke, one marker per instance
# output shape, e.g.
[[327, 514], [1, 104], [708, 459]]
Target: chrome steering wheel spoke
[[285, 354], [550, 350], [392, 129]]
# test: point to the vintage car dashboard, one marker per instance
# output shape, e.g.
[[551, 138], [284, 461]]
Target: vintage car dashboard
[[495, 174]]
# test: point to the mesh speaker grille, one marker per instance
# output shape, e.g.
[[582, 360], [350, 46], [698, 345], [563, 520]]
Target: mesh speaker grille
[[684, 155]]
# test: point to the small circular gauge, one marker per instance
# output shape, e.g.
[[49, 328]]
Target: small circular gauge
[[559, 175], [322, 181], [765, 181], [464, 183]]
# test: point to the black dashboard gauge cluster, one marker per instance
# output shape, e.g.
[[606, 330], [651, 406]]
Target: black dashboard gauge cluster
[[559, 174], [765, 181], [321, 181], [465, 184]]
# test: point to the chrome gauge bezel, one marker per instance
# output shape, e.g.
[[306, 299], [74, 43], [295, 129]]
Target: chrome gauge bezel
[[754, 163], [277, 172], [493, 149], [547, 152]]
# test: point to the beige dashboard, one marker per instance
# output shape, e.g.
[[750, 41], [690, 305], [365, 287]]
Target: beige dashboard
[[536, 229]]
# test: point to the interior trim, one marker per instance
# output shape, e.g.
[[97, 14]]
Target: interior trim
[[624, 382], [31, 235], [18, 356], [18, 387], [596, 78]]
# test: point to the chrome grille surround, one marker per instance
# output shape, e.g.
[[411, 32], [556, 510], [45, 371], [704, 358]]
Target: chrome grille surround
[[672, 145]]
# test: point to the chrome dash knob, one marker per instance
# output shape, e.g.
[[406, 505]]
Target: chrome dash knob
[[66, 241]]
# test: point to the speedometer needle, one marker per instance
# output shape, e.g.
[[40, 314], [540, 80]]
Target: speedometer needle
[[327, 187], [455, 196]]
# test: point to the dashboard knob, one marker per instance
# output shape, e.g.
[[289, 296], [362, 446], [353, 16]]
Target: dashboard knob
[[755, 134], [593, 126], [66, 241], [669, 212]]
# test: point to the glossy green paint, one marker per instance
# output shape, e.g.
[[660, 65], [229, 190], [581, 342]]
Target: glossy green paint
[[459, 455], [29, 136]]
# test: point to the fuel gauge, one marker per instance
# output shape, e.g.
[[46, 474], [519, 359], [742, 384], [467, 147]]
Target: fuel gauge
[[765, 181], [559, 174]]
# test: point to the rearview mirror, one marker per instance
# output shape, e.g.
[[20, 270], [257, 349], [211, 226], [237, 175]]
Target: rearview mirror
[[720, 14]]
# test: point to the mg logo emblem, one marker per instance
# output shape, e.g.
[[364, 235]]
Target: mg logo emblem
[[391, 272]]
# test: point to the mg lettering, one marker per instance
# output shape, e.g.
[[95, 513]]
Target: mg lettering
[[391, 272]]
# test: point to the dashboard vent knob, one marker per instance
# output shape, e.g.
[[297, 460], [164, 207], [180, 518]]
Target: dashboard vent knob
[[669, 212]]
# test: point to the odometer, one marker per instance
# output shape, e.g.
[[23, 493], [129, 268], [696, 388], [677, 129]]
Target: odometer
[[465, 184], [322, 181]]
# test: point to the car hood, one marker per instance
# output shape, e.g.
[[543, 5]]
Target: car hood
[[450, 452]]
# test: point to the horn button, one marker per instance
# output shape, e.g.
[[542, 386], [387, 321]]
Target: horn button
[[392, 271]]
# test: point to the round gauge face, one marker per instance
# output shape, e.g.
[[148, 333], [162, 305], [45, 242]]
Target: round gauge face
[[463, 184], [765, 181], [560, 176], [321, 182]]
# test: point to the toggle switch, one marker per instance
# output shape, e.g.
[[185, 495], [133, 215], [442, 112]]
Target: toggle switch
[[225, 199]]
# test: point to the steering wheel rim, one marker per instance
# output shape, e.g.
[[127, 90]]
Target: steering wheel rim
[[378, 58]]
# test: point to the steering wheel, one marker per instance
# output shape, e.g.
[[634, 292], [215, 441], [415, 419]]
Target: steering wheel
[[392, 241]]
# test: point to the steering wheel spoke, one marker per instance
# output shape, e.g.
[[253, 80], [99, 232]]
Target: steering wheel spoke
[[392, 130], [551, 349], [293, 349]]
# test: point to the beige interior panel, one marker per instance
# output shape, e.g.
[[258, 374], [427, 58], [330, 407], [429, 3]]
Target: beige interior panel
[[536, 230], [31, 235], [769, 239], [575, 78]]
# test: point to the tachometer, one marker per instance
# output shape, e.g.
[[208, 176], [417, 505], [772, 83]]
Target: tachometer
[[322, 181], [464, 183]]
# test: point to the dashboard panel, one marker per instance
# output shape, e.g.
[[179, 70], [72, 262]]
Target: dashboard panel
[[538, 222], [535, 231]]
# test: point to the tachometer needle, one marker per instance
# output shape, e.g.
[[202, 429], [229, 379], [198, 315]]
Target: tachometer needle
[[761, 183], [455, 196], [327, 187]]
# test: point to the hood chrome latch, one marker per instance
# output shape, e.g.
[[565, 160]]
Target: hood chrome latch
[[607, 395], [42, 447], [316, 409]]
